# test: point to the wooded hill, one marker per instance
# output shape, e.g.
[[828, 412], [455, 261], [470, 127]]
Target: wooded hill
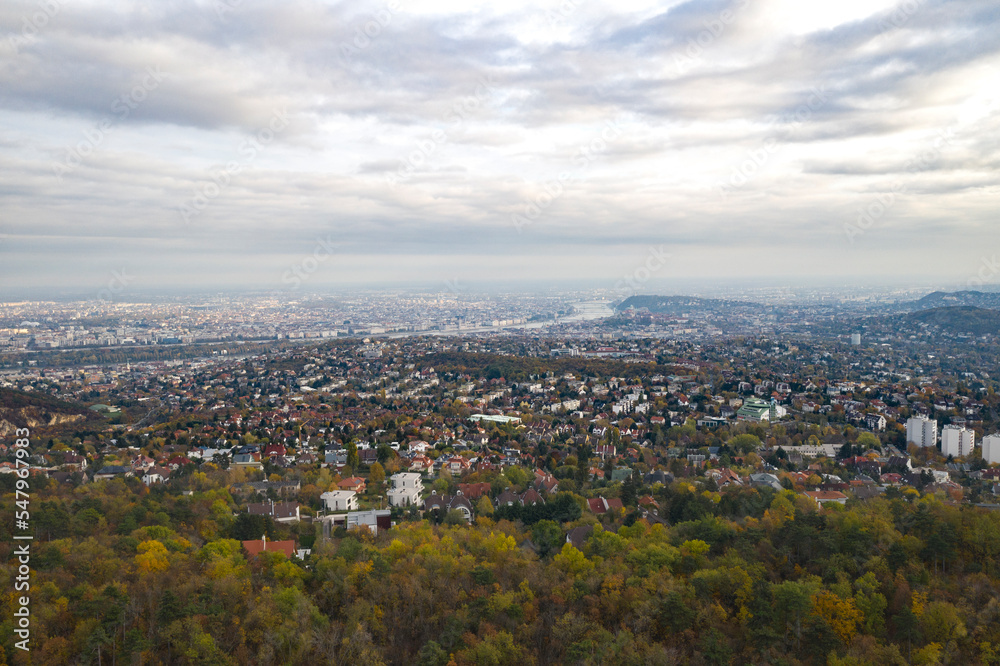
[[125, 574]]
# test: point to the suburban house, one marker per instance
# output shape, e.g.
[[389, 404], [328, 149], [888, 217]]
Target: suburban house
[[724, 477], [605, 451], [335, 457], [340, 500], [177, 462], [475, 490], [760, 480], [355, 483], [155, 475], [280, 487], [374, 520], [406, 489], [822, 497], [419, 446], [546, 482], [111, 471], [247, 460], [273, 452], [457, 465], [421, 463], [141, 463], [578, 536], [281, 512], [73, 462], [257, 546], [448, 502], [507, 498], [530, 497], [600, 505]]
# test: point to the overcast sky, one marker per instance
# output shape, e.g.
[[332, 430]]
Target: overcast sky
[[304, 143]]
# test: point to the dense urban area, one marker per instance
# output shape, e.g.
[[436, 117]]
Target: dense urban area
[[459, 479]]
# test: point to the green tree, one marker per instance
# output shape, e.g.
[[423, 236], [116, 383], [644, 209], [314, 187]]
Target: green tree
[[432, 654], [547, 537], [793, 599], [517, 477], [867, 440], [745, 443]]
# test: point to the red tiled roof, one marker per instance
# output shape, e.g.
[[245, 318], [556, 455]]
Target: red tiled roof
[[259, 545]]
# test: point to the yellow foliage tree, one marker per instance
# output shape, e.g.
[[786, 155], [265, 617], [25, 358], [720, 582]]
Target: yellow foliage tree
[[572, 561], [842, 615], [152, 557]]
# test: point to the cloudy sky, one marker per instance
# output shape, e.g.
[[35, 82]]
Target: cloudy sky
[[240, 142]]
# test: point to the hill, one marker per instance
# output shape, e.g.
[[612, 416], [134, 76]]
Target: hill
[[959, 319], [677, 304], [38, 412], [944, 299]]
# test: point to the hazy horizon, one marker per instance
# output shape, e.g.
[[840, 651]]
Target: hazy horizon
[[803, 288]]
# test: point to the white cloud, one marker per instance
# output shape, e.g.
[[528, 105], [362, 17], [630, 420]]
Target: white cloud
[[767, 122]]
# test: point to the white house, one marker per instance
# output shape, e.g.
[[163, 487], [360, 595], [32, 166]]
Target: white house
[[340, 500], [373, 520], [875, 422], [406, 489], [155, 475]]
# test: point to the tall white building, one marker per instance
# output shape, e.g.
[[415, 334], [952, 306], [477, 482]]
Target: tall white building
[[991, 448], [921, 431], [957, 441]]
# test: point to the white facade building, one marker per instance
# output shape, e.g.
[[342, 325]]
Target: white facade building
[[406, 489], [921, 431], [991, 448], [957, 441], [340, 500]]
